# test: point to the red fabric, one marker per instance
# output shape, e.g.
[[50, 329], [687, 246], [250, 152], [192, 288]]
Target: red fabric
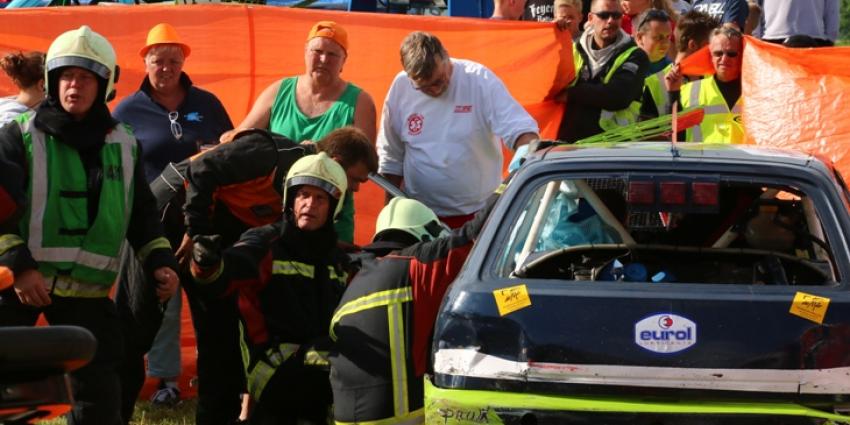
[[8, 206], [626, 23], [248, 301], [7, 278], [429, 281], [243, 198], [456, 221]]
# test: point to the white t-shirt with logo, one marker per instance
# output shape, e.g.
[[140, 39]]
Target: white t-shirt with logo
[[447, 148]]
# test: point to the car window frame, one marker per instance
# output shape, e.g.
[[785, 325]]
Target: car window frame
[[522, 190]]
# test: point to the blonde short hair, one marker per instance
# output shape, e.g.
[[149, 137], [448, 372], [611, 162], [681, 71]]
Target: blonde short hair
[[578, 4], [165, 47]]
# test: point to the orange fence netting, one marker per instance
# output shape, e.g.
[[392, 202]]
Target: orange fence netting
[[238, 50]]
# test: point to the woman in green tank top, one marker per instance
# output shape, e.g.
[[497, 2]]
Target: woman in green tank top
[[309, 106]]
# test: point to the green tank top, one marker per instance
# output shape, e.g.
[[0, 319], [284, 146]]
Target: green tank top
[[288, 120]]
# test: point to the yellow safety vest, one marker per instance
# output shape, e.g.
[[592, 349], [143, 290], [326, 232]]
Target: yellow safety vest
[[657, 90], [609, 120], [84, 258], [720, 124]]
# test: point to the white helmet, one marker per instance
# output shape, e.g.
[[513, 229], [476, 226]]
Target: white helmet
[[320, 171], [82, 48], [409, 216]]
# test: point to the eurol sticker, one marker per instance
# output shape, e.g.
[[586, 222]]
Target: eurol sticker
[[665, 333]]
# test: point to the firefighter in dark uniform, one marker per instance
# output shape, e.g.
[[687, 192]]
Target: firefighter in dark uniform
[[288, 278], [383, 324], [85, 194], [233, 187]]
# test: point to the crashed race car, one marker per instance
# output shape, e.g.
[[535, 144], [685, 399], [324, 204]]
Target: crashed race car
[[653, 283]]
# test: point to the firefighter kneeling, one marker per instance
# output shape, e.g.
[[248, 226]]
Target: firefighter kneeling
[[383, 325], [288, 277]]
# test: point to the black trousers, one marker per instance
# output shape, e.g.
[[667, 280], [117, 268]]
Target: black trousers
[[221, 375], [295, 394], [95, 387], [141, 316]]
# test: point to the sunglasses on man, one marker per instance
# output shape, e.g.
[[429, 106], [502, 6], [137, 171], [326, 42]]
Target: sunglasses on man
[[728, 53], [608, 15]]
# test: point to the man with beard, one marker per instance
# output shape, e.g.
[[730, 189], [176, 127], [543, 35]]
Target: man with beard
[[610, 71]]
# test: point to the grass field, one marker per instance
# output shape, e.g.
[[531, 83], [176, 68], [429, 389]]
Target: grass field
[[182, 414]]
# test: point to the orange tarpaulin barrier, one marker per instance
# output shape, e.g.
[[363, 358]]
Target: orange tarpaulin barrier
[[238, 50], [799, 99], [793, 98]]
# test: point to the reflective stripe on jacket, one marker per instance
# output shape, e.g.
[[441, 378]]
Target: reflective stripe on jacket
[[609, 120], [720, 125], [657, 90], [56, 223], [382, 328]]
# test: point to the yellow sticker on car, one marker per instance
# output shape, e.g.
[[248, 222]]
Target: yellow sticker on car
[[511, 299], [810, 307]]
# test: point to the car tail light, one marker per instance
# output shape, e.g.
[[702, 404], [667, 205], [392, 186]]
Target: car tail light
[[642, 192], [673, 193], [705, 193]]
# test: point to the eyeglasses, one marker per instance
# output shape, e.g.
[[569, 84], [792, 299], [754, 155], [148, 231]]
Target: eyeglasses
[[608, 15], [652, 15], [176, 128], [729, 53], [439, 82]]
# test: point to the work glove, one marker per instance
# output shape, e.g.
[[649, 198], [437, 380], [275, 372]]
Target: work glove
[[516, 161], [207, 250]]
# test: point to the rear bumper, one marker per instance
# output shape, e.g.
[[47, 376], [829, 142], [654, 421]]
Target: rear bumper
[[456, 406]]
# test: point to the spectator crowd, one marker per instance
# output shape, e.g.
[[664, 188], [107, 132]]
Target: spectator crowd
[[256, 221]]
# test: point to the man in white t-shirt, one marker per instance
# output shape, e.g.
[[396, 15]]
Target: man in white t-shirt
[[441, 125]]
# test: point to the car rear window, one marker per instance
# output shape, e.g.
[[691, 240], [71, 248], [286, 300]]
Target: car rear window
[[670, 228]]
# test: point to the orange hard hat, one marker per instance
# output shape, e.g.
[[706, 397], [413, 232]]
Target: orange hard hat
[[164, 34], [7, 278]]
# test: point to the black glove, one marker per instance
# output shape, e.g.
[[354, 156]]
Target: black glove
[[207, 250]]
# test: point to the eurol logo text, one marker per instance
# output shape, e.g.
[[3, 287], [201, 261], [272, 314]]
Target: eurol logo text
[[665, 333]]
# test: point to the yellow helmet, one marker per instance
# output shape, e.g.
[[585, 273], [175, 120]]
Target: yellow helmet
[[320, 171], [82, 48], [409, 216]]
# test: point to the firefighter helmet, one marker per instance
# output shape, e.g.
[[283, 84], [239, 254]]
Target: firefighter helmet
[[412, 217], [320, 171], [82, 48]]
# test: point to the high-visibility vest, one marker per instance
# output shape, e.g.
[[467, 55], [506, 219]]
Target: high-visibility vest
[[720, 125], [609, 120], [56, 227], [658, 91]]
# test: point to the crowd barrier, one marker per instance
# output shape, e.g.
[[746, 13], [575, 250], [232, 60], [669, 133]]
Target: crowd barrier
[[237, 50]]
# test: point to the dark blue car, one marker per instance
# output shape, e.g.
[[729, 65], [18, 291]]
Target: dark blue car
[[650, 284]]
